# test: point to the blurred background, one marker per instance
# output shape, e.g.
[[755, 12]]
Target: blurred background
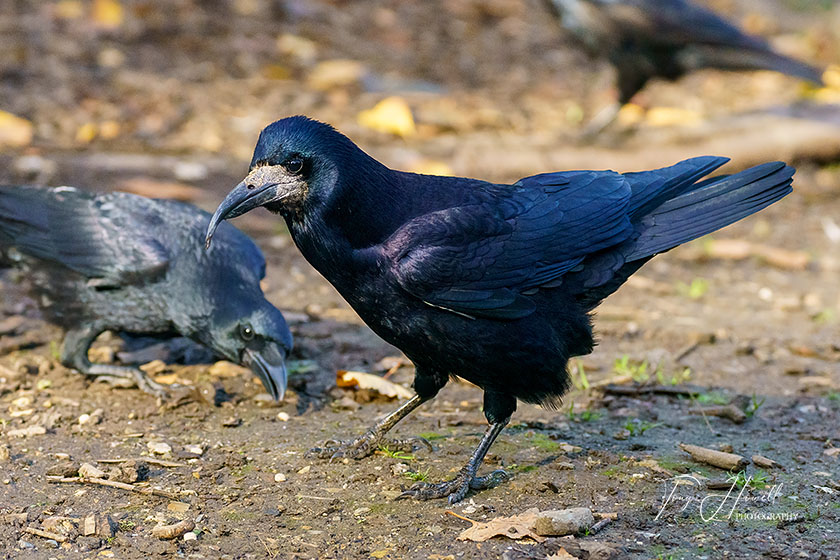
[[492, 88]]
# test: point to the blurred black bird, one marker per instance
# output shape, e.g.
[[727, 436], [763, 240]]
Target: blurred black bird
[[646, 39], [125, 263], [491, 283]]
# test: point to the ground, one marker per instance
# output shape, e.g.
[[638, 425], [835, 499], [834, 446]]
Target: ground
[[167, 98]]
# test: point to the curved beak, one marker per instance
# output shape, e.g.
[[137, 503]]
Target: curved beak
[[244, 197], [269, 364]]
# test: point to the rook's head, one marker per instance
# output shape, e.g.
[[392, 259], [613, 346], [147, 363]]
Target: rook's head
[[297, 162], [254, 334]]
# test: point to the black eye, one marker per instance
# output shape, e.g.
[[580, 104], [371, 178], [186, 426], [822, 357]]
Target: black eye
[[294, 165], [246, 332]]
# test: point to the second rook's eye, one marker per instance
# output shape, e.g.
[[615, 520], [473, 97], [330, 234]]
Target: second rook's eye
[[246, 332], [294, 165]]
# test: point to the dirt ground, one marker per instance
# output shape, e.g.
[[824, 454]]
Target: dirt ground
[[167, 99]]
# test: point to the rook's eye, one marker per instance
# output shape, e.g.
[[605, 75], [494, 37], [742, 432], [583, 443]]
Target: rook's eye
[[294, 165], [246, 332]]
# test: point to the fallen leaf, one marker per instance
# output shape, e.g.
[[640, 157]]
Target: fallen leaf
[[514, 527], [15, 132], [364, 380], [392, 115], [107, 14]]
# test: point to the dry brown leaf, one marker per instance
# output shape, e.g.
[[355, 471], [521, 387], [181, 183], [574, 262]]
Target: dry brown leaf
[[514, 527], [391, 115], [364, 380]]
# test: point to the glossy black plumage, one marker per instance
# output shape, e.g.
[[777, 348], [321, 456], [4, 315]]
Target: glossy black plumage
[[646, 39], [492, 283], [126, 263]]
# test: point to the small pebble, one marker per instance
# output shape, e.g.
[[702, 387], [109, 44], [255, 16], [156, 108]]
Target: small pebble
[[159, 447], [305, 469], [194, 449], [279, 477], [190, 536], [283, 416]]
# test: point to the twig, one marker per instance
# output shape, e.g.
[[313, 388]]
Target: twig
[[705, 418], [766, 463], [635, 390], [44, 534], [114, 484], [453, 514], [720, 459], [596, 528], [729, 411]]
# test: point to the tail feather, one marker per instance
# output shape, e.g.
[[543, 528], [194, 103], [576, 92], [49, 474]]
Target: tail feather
[[714, 205], [715, 56], [652, 188]]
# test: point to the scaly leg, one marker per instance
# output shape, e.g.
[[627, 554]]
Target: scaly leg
[[370, 441], [466, 478], [74, 355]]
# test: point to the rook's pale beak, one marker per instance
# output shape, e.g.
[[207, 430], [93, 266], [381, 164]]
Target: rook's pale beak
[[269, 364], [244, 197]]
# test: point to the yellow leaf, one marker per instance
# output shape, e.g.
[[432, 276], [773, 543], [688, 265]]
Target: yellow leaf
[[86, 133], [430, 167], [15, 131], [391, 115], [672, 116], [630, 114], [831, 76], [107, 14], [364, 380]]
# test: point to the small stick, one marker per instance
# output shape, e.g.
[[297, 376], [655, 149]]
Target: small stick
[[720, 459], [729, 411], [453, 514], [765, 463], [44, 534], [611, 515], [114, 484], [596, 528]]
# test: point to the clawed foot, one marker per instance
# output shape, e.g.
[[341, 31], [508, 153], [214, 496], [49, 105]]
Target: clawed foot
[[456, 488], [363, 446], [134, 379]]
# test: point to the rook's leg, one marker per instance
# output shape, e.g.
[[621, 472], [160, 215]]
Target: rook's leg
[[370, 441], [427, 383], [74, 355], [466, 478], [498, 408]]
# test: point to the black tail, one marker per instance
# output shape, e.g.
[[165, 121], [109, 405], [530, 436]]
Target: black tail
[[709, 206]]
